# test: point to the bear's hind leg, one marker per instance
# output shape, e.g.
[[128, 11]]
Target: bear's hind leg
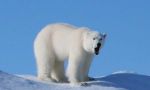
[[45, 66]]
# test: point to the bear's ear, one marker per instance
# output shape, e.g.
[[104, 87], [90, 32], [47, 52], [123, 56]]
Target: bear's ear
[[88, 33], [104, 34]]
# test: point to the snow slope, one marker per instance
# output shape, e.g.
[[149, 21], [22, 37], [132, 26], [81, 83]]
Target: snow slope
[[117, 81]]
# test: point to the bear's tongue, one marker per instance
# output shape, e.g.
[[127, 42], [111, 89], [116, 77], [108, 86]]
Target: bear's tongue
[[97, 48]]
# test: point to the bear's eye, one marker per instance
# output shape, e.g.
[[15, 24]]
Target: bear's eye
[[94, 38]]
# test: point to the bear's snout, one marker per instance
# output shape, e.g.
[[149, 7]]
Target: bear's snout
[[97, 48]]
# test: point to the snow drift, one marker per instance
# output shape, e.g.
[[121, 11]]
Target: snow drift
[[117, 81]]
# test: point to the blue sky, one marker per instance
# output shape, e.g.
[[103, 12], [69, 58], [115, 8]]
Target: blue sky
[[127, 23]]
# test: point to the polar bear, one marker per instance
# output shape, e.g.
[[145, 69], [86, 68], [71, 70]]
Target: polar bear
[[59, 42]]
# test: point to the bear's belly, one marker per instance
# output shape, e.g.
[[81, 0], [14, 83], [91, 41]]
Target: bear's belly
[[61, 44], [61, 53], [61, 49]]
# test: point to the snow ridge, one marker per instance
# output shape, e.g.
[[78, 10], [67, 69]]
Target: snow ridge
[[118, 81]]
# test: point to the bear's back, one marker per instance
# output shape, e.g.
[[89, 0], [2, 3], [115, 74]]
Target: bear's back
[[50, 31], [60, 26], [60, 38]]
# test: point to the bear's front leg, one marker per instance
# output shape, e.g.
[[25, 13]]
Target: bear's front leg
[[73, 71], [85, 69]]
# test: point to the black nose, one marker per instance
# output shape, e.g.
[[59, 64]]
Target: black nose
[[99, 45], [97, 48]]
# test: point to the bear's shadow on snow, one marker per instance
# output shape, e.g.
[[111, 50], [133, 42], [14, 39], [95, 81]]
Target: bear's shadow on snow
[[128, 81]]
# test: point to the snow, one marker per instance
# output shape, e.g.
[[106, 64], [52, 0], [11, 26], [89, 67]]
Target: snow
[[115, 81]]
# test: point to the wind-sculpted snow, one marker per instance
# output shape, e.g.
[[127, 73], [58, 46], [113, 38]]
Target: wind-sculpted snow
[[12, 82], [129, 81], [117, 81]]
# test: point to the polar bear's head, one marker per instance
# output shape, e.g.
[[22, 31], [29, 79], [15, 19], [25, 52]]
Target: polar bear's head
[[93, 41]]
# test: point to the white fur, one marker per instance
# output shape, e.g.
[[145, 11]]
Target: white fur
[[58, 42]]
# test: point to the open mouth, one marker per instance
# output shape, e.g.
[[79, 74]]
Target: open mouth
[[97, 48]]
